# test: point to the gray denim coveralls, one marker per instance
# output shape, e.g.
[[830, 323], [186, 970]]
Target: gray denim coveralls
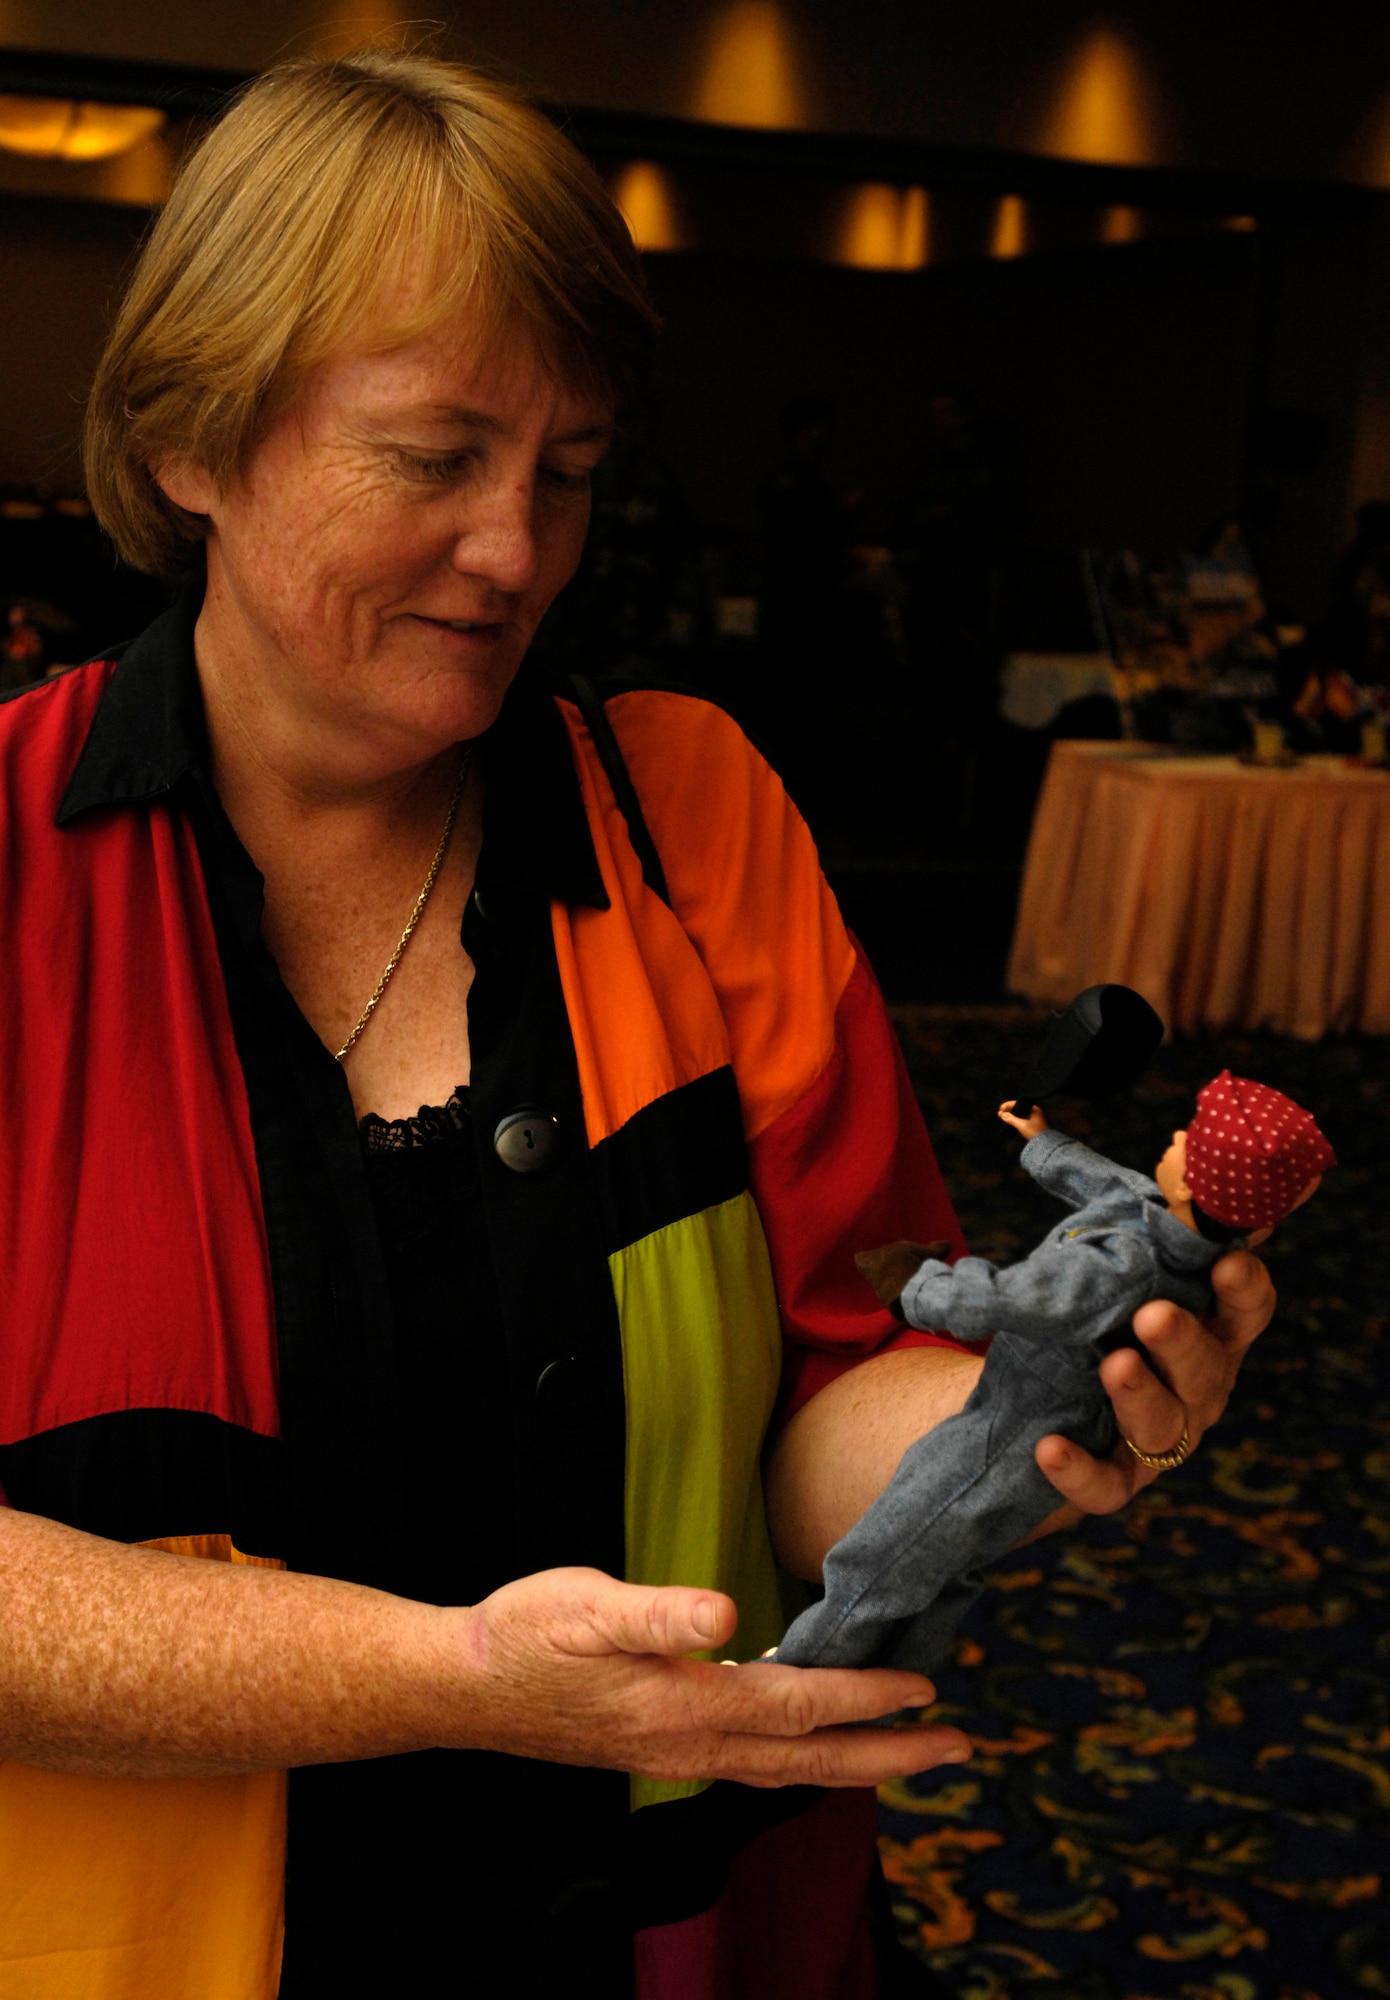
[[901, 1580]]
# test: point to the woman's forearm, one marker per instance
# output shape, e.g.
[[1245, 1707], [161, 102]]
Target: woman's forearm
[[841, 1449], [125, 1660]]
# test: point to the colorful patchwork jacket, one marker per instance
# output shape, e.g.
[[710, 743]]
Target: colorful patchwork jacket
[[196, 1335]]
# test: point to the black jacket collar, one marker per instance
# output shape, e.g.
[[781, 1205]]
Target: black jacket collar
[[149, 735], [148, 731]]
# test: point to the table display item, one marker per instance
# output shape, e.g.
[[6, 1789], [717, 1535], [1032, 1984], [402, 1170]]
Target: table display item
[[899, 1583], [1268, 748], [1198, 661]]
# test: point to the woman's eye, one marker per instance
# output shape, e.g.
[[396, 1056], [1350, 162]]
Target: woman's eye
[[438, 470], [452, 467]]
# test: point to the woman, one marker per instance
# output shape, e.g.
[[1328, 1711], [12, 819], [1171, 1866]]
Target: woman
[[338, 1361]]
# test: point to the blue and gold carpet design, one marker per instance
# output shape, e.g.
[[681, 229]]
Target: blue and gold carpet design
[[1181, 1788]]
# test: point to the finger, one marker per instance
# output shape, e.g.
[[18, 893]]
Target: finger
[[1186, 1357], [1194, 1364], [1147, 1411], [841, 1757], [615, 1617], [1169, 1336], [1245, 1299], [1092, 1485], [763, 1699]]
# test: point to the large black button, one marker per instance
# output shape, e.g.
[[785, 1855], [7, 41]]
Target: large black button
[[526, 1140], [570, 1394], [497, 906]]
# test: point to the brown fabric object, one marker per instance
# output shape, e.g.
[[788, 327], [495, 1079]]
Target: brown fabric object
[[889, 1268]]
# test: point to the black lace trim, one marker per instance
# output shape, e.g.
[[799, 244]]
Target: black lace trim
[[419, 1171], [432, 1125]]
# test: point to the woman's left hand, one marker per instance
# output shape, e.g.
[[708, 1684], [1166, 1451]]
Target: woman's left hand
[[1181, 1380]]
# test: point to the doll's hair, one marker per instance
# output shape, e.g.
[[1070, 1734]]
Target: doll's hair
[[1214, 1231]]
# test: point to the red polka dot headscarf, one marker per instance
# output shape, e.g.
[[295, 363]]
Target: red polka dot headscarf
[[1251, 1151]]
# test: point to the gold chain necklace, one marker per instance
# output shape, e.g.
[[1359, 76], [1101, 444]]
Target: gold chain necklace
[[420, 902]]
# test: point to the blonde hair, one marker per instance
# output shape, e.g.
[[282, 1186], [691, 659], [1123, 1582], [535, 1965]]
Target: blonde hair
[[327, 190]]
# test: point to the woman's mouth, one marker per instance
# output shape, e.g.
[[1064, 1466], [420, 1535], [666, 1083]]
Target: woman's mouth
[[467, 628]]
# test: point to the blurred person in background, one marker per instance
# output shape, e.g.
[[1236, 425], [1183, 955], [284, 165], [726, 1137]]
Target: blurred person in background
[[1359, 633], [807, 532], [953, 534]]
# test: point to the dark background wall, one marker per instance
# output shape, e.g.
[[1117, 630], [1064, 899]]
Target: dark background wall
[[1122, 375], [1268, 86], [61, 267], [1122, 378]]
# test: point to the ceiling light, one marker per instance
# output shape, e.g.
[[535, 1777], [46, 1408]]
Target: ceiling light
[[57, 128]]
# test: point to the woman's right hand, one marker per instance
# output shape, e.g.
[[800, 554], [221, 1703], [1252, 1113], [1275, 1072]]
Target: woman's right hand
[[572, 1666]]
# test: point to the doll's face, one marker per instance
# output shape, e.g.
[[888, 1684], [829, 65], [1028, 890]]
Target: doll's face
[[1171, 1172]]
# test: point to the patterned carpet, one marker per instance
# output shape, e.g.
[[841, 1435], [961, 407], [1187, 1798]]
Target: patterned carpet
[[1181, 1788]]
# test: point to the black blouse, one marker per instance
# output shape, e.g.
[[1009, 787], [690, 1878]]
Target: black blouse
[[450, 1350], [454, 1813]]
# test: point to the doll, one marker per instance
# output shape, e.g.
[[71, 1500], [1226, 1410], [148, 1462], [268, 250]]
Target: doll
[[899, 1582]]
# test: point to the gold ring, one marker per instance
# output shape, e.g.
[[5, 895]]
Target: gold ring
[[1164, 1461]]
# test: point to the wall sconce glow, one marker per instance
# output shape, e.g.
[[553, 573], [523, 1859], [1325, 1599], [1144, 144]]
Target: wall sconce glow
[[751, 74], [870, 237], [353, 22], [1368, 159], [885, 229], [52, 128], [647, 200], [1121, 225], [1242, 224], [914, 231], [369, 17], [1107, 106], [1010, 237]]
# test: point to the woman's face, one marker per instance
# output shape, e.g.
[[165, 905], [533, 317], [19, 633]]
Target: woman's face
[[377, 573]]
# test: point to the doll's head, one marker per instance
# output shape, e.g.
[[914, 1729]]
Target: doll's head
[[1249, 1157]]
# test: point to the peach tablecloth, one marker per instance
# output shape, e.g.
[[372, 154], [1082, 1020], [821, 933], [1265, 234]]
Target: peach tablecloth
[[1227, 895]]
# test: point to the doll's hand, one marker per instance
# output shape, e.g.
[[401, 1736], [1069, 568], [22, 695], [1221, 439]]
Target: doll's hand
[[1180, 1381], [1030, 1126]]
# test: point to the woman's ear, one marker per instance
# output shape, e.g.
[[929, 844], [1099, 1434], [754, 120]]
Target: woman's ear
[[185, 482]]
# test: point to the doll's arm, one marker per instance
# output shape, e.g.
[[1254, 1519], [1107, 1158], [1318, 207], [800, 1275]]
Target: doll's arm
[[1077, 1175], [1066, 1292]]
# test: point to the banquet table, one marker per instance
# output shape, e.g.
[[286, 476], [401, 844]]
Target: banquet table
[[1230, 895]]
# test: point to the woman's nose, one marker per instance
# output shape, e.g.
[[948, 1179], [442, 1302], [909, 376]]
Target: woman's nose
[[498, 540]]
